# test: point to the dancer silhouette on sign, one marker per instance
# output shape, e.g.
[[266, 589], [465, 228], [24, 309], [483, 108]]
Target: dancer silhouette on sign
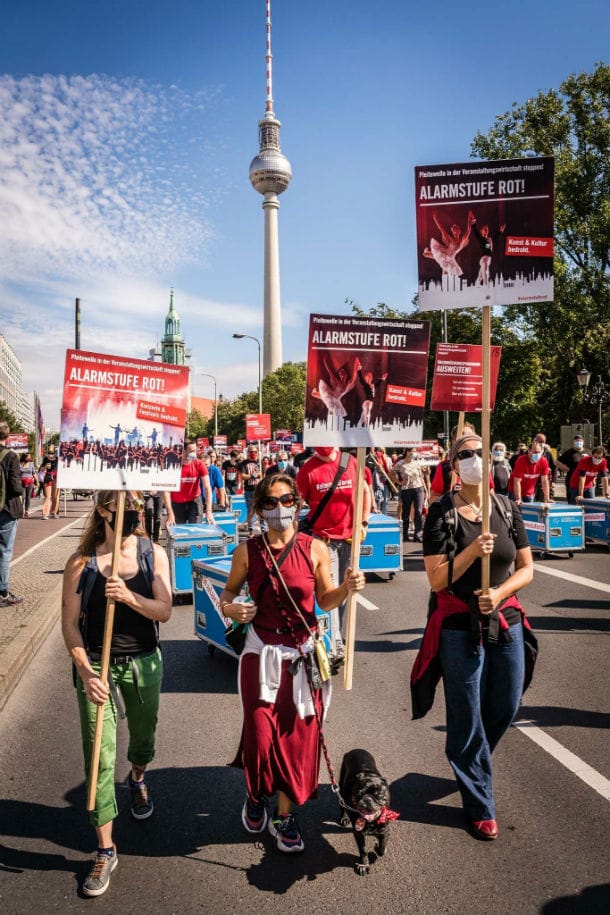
[[366, 380], [340, 384], [445, 251], [486, 241]]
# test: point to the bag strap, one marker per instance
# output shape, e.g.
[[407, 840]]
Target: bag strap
[[283, 583], [343, 464], [280, 560]]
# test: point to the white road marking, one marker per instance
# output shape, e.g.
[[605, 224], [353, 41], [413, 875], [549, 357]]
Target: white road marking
[[568, 759], [576, 579], [366, 603], [46, 540]]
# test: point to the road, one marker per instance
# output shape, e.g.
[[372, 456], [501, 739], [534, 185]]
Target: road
[[193, 856]]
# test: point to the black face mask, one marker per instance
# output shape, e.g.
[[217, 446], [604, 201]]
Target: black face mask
[[131, 521]]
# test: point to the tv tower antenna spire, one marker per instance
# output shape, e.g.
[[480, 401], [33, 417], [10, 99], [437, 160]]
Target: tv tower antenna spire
[[270, 175]]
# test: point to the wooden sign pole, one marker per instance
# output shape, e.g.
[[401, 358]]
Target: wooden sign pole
[[105, 663], [350, 620], [485, 435]]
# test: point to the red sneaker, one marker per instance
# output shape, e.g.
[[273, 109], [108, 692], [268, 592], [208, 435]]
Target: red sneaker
[[485, 829]]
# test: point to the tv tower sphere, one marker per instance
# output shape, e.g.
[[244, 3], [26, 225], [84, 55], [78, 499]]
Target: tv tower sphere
[[270, 170]]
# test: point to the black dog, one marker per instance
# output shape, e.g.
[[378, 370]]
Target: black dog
[[366, 794]]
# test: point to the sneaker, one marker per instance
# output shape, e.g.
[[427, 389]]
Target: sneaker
[[286, 833], [97, 880], [45, 517], [9, 599], [141, 801], [55, 515], [254, 814]]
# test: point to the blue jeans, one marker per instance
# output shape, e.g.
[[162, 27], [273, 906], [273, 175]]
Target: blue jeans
[[8, 532], [482, 696]]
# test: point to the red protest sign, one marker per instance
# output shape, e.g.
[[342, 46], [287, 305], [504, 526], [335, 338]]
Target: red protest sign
[[458, 377], [258, 427], [122, 422]]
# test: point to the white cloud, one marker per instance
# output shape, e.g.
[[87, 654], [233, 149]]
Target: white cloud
[[82, 186]]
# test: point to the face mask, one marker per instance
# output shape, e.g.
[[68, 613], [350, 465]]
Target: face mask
[[190, 456], [131, 521], [279, 518], [534, 458], [596, 461], [578, 446], [498, 455], [324, 452], [282, 465], [471, 470], [253, 456]]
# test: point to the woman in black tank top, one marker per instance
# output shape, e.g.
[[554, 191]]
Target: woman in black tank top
[[142, 599]]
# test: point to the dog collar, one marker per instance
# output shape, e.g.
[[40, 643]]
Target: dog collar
[[385, 816]]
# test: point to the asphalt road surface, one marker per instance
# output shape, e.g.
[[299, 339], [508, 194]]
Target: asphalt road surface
[[551, 780]]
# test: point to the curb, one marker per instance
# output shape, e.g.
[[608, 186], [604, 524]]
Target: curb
[[16, 657]]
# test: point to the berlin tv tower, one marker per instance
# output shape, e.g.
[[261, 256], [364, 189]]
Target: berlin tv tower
[[270, 175]]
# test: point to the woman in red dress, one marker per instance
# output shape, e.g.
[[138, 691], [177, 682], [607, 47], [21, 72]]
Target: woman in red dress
[[280, 742]]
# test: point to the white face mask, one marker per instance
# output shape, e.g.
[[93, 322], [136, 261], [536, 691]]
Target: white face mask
[[190, 456], [498, 454], [578, 446], [279, 518], [471, 470], [597, 460]]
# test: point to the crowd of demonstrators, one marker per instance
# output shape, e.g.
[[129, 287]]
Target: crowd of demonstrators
[[414, 492], [11, 509], [282, 705], [184, 505], [142, 595], [331, 518], [478, 639]]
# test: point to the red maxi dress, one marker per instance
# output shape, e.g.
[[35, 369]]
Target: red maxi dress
[[278, 750]]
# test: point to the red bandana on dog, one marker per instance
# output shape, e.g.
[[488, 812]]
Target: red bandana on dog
[[385, 816]]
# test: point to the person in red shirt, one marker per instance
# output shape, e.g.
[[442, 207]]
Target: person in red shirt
[[529, 468], [587, 470], [335, 523], [183, 506]]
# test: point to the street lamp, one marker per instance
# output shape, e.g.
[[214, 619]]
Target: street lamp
[[207, 375], [584, 377], [258, 343]]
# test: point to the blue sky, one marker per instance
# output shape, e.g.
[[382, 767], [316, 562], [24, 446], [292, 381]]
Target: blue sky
[[127, 129]]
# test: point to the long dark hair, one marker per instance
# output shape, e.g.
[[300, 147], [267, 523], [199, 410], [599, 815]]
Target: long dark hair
[[94, 532]]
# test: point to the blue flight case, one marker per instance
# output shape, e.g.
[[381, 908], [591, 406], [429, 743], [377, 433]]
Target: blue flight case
[[209, 577], [227, 522], [554, 527], [597, 520], [381, 550], [191, 541], [237, 504]]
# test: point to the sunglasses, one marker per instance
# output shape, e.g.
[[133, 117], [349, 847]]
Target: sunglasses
[[287, 500], [469, 452], [134, 504]]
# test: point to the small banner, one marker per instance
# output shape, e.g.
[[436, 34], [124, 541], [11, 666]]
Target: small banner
[[458, 377]]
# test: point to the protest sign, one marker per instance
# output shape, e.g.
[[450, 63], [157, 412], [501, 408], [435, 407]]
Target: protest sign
[[366, 381], [122, 423], [18, 441], [485, 233], [258, 427], [458, 377]]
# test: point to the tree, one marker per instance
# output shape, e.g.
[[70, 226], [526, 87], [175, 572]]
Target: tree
[[572, 124]]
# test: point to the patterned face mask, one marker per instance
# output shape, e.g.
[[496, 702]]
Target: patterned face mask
[[279, 518]]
